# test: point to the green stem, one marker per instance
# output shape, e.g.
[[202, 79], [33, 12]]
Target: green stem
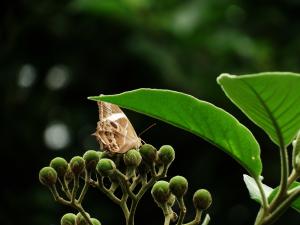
[[64, 187], [85, 187], [182, 211], [125, 184], [168, 214], [75, 188], [83, 213], [206, 220], [108, 193], [197, 219], [68, 203], [293, 177], [282, 207], [124, 207], [284, 163], [133, 207], [265, 204], [57, 198], [168, 219]]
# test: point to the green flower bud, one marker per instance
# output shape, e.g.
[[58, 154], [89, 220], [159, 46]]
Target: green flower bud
[[161, 192], [132, 158], [69, 176], [148, 153], [166, 154], [80, 220], [171, 200], [100, 154], [202, 199], [48, 176], [296, 153], [91, 159], [105, 167], [77, 165], [60, 165], [178, 186], [95, 221], [68, 219], [106, 155]]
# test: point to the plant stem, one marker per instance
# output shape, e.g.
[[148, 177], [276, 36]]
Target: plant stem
[[197, 219], [83, 213], [284, 205], [284, 163], [85, 187], [265, 203], [168, 218], [125, 185], [293, 177], [57, 198], [75, 188], [182, 211], [206, 220], [133, 207], [108, 193]]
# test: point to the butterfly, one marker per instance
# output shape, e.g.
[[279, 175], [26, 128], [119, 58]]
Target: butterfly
[[114, 131]]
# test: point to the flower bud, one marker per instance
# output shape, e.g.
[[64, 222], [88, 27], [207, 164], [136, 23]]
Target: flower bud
[[69, 176], [161, 192], [95, 221], [77, 165], [171, 200], [132, 158], [60, 165], [148, 153], [48, 176], [202, 199], [68, 219], [105, 167], [80, 220], [296, 153], [166, 154], [178, 186], [91, 159]]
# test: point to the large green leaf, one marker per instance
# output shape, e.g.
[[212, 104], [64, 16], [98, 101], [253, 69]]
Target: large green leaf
[[271, 100], [198, 117], [270, 192]]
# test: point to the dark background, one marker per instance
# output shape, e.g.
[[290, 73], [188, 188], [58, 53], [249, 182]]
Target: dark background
[[53, 54]]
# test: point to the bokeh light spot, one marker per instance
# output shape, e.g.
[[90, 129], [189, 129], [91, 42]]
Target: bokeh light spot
[[27, 76], [57, 77], [57, 136]]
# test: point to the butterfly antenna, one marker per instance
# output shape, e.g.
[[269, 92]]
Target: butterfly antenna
[[148, 128]]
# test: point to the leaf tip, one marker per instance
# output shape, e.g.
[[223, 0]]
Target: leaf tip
[[93, 98], [224, 76]]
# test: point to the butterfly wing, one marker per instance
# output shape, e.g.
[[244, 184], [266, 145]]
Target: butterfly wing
[[114, 130]]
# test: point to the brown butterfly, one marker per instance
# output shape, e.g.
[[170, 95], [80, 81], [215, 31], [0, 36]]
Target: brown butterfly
[[114, 131]]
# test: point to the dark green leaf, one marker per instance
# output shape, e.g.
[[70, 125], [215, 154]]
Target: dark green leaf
[[271, 100], [196, 116]]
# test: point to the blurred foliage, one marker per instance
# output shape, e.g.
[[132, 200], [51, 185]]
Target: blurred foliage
[[55, 53]]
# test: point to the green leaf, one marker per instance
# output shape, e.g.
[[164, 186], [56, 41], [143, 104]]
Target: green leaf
[[253, 188], [270, 100], [198, 117], [270, 192]]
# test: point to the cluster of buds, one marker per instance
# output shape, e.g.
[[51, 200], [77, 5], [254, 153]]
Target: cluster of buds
[[165, 194], [133, 173], [67, 176]]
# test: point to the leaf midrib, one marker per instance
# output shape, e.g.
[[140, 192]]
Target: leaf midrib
[[273, 120]]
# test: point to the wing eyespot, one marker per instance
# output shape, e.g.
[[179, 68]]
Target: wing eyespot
[[113, 124]]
